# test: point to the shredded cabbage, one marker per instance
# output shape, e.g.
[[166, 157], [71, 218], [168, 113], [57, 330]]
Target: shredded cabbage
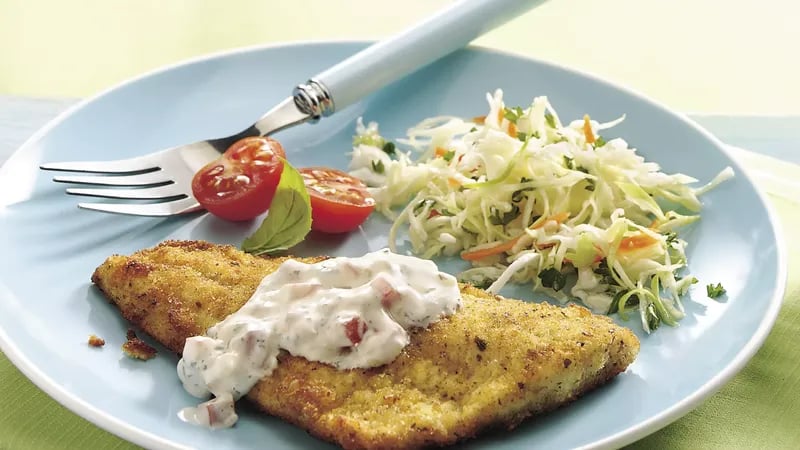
[[527, 199]]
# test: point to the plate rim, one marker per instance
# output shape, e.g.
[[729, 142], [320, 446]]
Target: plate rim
[[139, 436]]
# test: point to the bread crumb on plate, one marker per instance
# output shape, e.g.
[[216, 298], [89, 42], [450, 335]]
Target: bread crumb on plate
[[95, 341], [137, 348]]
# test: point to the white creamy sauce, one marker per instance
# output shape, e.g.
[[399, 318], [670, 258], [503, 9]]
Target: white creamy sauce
[[346, 312]]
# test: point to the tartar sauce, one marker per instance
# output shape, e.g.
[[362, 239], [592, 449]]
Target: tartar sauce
[[346, 312]]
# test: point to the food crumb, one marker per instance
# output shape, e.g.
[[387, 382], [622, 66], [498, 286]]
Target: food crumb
[[95, 341], [137, 348]]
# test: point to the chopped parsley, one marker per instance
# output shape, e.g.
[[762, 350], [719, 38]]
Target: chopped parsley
[[448, 156], [605, 272], [550, 119], [569, 163], [378, 167], [498, 218], [715, 291], [553, 278], [632, 301], [513, 114], [599, 142], [389, 148]]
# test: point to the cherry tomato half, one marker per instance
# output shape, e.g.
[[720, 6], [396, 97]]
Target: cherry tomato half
[[339, 202], [240, 184]]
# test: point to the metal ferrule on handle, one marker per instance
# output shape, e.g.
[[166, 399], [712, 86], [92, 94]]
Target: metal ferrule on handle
[[314, 99]]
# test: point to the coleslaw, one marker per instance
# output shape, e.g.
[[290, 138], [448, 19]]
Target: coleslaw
[[526, 198]]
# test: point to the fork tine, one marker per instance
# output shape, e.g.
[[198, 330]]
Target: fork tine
[[139, 164], [143, 179], [182, 206], [154, 193]]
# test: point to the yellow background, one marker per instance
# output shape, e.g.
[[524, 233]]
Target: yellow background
[[698, 56]]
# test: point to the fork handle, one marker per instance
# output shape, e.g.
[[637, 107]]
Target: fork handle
[[389, 60]]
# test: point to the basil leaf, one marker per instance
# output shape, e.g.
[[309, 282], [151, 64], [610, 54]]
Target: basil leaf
[[288, 220]]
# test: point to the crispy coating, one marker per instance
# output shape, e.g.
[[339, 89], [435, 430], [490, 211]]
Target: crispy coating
[[494, 363], [95, 341], [136, 348]]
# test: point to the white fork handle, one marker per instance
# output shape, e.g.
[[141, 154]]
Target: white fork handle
[[393, 58]]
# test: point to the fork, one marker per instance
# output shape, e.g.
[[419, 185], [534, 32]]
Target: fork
[[164, 177]]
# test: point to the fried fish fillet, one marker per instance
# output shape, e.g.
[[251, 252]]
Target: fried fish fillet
[[494, 363]]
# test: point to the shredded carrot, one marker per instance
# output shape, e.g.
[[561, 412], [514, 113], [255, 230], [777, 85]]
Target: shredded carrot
[[587, 130], [480, 120], [500, 114], [558, 218], [475, 255], [654, 224], [636, 242], [440, 152], [453, 182], [512, 129]]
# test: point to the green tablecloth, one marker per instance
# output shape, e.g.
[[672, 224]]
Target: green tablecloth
[[759, 408]]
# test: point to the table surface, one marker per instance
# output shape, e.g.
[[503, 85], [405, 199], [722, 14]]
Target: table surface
[[693, 55]]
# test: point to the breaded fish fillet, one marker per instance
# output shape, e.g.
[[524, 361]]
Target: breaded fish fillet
[[493, 363]]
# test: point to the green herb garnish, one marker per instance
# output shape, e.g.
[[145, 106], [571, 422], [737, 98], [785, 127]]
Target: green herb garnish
[[630, 302], [288, 220], [605, 272], [553, 278], [715, 291], [550, 119], [389, 148], [378, 167], [513, 114], [652, 317], [448, 155], [498, 218]]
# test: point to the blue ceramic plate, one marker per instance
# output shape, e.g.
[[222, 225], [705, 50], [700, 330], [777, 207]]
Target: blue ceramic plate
[[48, 306]]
